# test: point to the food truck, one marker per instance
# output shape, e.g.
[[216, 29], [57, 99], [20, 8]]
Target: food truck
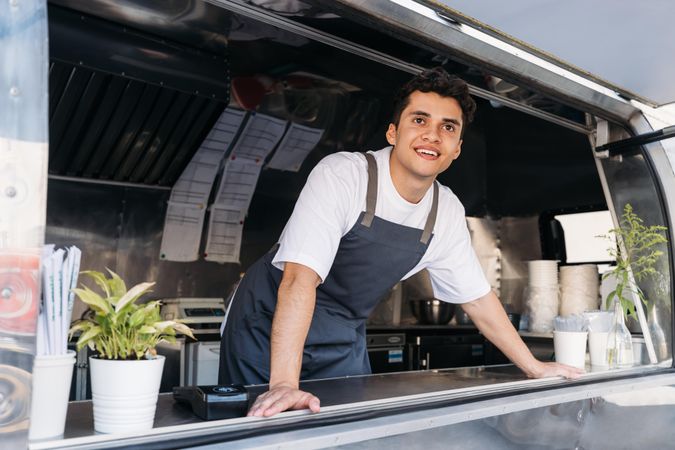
[[107, 106]]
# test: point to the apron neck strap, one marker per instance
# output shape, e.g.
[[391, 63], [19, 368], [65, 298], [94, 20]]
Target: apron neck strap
[[431, 218], [371, 201], [371, 195]]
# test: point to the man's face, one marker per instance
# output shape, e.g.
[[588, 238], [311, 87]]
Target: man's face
[[427, 139]]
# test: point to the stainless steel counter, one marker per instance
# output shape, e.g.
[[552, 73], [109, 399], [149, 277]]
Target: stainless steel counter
[[343, 400]]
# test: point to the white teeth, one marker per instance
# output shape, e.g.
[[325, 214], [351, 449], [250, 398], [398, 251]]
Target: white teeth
[[427, 152]]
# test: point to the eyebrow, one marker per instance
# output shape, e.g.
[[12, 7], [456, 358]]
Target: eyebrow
[[426, 114]]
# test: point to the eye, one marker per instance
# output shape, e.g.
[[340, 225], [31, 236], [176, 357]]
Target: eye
[[418, 120], [449, 127]]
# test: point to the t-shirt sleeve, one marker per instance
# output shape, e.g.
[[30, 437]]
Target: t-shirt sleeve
[[320, 217], [456, 276]]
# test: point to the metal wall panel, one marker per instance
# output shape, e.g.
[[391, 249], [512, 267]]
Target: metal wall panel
[[503, 247], [121, 228]]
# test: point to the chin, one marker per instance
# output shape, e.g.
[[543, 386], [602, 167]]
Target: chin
[[425, 175], [427, 172]]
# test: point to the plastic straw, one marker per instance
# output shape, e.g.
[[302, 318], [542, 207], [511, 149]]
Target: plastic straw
[[59, 277], [599, 321], [574, 322], [57, 307]]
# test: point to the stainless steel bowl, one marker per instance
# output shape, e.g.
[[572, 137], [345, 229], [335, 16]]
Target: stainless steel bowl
[[432, 312]]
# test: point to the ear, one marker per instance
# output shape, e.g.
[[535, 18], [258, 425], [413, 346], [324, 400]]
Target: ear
[[391, 134], [458, 150]]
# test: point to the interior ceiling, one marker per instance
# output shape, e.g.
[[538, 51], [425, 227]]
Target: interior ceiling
[[630, 44], [111, 120]]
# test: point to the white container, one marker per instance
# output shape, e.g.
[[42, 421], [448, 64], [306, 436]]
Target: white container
[[543, 273], [580, 289], [52, 375], [542, 304], [124, 393], [597, 347], [570, 347]]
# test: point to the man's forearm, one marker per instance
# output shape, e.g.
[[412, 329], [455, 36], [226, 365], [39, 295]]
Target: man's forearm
[[292, 318], [489, 316]]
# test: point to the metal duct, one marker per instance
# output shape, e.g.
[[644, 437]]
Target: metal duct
[[108, 127]]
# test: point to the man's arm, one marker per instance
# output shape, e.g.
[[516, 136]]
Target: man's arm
[[489, 316], [292, 319]]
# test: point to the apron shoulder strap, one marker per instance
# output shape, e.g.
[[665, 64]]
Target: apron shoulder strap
[[431, 218], [371, 194]]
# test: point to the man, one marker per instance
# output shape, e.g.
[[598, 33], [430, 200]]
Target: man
[[361, 224]]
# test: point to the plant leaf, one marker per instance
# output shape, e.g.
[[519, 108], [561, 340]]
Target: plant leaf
[[182, 328], [137, 318], [79, 325], [88, 335], [161, 326], [132, 295], [99, 279], [93, 300], [117, 285]]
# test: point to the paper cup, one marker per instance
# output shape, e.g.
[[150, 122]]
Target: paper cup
[[52, 375], [597, 347], [570, 347]]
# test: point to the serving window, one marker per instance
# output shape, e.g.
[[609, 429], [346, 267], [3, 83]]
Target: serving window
[[526, 154]]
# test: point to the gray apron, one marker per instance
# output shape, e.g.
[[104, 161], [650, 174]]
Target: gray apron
[[371, 258]]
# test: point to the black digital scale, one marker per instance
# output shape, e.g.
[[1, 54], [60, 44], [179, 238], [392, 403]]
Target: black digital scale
[[214, 402]]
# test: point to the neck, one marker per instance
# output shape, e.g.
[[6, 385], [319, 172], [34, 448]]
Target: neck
[[408, 186]]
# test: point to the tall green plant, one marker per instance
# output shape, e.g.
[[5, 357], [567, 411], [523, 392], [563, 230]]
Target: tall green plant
[[118, 328], [641, 255]]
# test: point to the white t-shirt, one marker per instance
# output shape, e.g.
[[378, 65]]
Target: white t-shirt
[[334, 197]]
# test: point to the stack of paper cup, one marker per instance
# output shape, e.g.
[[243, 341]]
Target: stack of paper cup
[[543, 273], [579, 289], [542, 294]]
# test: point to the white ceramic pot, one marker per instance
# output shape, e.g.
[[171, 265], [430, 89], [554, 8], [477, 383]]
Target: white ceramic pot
[[124, 393]]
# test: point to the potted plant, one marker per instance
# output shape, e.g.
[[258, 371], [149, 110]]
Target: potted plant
[[126, 370], [640, 255]]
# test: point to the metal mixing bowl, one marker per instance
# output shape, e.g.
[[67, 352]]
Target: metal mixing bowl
[[432, 312]]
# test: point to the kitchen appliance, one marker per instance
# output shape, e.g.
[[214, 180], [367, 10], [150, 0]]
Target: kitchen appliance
[[444, 351], [189, 362], [387, 352], [203, 315], [201, 363]]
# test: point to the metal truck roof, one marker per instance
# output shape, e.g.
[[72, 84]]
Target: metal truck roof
[[625, 45]]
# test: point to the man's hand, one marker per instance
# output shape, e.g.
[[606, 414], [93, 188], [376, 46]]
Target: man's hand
[[553, 369], [292, 319], [282, 398], [488, 315]]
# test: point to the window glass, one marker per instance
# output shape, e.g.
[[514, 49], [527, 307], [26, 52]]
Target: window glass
[[630, 181]]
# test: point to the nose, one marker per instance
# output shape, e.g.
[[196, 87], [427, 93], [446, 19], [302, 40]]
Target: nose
[[431, 135]]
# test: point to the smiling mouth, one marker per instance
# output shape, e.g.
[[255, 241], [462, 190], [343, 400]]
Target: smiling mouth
[[427, 153]]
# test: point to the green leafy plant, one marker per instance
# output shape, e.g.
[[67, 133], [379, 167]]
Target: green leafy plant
[[115, 326], [640, 256]]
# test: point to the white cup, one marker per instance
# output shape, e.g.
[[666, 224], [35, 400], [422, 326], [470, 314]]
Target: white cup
[[597, 347], [570, 347], [52, 375]]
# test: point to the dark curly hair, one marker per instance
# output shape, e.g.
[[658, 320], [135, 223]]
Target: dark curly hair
[[439, 81]]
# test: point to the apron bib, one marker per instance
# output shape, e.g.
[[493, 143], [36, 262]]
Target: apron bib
[[371, 258]]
